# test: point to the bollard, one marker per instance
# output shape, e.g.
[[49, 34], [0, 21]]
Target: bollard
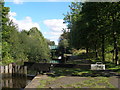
[[10, 70], [2, 69], [6, 69], [18, 70], [25, 70], [21, 71]]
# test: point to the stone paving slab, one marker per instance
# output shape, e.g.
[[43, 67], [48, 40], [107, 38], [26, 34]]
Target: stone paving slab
[[115, 81], [66, 80], [35, 82]]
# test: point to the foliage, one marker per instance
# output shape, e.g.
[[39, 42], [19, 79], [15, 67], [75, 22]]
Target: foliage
[[21, 46], [39, 50], [5, 35], [78, 52], [94, 27], [51, 43], [63, 45], [69, 71]]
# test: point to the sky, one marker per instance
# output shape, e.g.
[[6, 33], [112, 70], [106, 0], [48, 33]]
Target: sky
[[46, 16]]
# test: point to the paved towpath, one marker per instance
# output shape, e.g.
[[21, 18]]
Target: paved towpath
[[64, 81], [35, 82], [115, 81]]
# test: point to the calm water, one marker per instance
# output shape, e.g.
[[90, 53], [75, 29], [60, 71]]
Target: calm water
[[15, 82]]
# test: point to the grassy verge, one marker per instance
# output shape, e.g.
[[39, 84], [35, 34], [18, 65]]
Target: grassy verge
[[70, 71], [98, 82], [83, 73], [46, 81], [114, 68]]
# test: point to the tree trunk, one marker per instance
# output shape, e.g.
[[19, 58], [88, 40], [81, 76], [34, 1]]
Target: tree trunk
[[96, 53], [116, 56], [103, 48], [115, 48], [87, 50], [115, 41], [113, 57]]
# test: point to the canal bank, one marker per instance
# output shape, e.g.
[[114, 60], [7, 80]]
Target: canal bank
[[35, 81]]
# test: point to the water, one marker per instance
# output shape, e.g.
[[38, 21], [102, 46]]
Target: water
[[15, 82]]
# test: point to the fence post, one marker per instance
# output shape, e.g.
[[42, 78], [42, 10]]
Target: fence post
[[13, 70], [10, 70], [6, 69], [25, 70], [2, 69], [19, 70], [16, 70]]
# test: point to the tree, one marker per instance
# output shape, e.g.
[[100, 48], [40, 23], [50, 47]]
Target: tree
[[94, 26], [39, 49], [51, 43], [21, 46], [6, 57]]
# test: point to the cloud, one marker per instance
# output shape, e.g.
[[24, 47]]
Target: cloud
[[25, 24], [17, 1], [12, 14], [55, 24], [55, 28]]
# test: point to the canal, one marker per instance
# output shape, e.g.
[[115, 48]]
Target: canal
[[17, 82]]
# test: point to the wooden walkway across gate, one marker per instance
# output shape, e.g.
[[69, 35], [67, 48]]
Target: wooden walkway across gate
[[47, 66]]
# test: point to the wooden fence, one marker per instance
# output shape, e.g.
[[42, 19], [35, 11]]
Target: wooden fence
[[13, 70]]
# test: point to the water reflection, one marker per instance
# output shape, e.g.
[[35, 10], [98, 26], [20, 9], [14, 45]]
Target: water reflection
[[15, 82]]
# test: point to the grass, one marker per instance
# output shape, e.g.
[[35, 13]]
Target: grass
[[43, 82], [84, 73], [115, 67], [46, 81], [69, 71], [98, 82], [91, 82], [79, 72]]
